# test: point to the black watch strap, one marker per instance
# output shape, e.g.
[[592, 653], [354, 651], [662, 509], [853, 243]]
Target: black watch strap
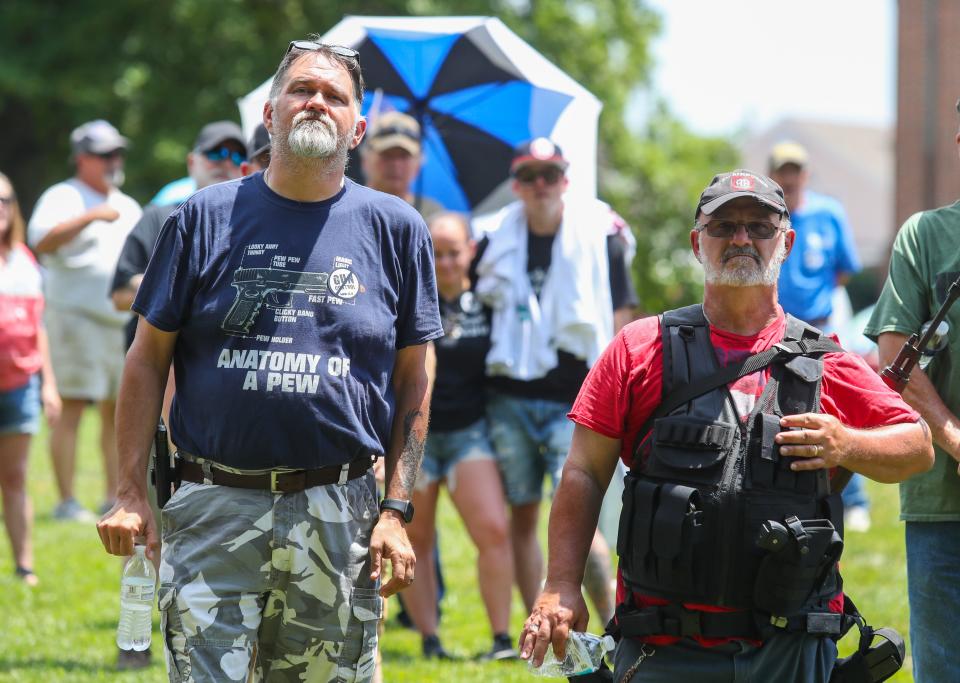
[[404, 507]]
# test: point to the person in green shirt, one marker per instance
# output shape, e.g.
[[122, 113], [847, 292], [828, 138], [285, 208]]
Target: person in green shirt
[[924, 262]]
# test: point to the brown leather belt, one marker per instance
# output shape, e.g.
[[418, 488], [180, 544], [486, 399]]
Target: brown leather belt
[[276, 481]]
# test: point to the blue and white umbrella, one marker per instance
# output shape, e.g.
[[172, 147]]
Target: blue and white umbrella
[[478, 90]]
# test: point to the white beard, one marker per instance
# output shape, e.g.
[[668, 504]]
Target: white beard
[[745, 272]]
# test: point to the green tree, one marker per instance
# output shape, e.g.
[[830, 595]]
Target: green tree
[[158, 69]]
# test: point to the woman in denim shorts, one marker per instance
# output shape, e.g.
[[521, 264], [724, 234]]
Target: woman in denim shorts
[[24, 362], [458, 450]]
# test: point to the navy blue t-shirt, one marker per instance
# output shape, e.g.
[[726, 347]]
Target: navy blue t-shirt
[[289, 317]]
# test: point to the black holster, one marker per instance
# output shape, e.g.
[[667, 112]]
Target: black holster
[[165, 469], [800, 565]]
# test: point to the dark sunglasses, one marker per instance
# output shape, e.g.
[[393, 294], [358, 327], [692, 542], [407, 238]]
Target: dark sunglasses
[[528, 176], [222, 153], [757, 230], [110, 155], [339, 50]]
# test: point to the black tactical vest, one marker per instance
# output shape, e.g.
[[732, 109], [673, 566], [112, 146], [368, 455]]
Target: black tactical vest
[[712, 513]]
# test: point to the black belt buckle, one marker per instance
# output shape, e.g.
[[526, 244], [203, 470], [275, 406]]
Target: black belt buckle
[[288, 482]]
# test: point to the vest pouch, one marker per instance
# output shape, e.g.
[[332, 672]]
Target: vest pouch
[[800, 565], [660, 537], [768, 469], [636, 524], [689, 449]]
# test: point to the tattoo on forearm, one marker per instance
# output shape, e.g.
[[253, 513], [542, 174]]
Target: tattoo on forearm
[[412, 452]]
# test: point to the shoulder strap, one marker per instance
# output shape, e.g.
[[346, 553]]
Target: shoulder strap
[[730, 373]]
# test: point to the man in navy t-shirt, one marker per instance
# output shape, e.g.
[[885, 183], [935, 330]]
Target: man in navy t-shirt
[[296, 306]]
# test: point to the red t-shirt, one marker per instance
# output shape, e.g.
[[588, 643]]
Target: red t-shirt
[[21, 307], [624, 388]]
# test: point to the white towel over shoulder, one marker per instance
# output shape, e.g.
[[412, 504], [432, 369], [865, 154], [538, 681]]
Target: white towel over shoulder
[[574, 312]]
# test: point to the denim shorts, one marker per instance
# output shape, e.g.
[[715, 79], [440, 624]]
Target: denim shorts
[[531, 438], [445, 450], [20, 408]]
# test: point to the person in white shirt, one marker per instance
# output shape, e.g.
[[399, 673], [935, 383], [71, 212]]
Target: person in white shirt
[[78, 228]]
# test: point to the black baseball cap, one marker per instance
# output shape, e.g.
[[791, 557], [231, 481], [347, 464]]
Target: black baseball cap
[[538, 150], [741, 183], [214, 134], [259, 142]]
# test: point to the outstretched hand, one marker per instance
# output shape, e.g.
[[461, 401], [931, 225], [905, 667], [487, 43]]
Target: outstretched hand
[[389, 542], [559, 609]]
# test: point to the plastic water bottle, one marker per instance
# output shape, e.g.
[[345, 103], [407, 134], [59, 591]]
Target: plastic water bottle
[[585, 651], [137, 588]]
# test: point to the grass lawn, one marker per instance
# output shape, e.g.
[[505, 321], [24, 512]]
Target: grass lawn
[[64, 630]]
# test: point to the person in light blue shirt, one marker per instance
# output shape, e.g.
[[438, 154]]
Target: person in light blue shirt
[[824, 255], [823, 259]]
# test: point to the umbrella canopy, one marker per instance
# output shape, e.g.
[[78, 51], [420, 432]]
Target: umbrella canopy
[[477, 90]]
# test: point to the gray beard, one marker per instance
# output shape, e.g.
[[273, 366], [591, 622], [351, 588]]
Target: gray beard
[[745, 273], [316, 139]]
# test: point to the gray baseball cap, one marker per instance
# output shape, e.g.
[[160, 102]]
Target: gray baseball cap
[[215, 134], [97, 137]]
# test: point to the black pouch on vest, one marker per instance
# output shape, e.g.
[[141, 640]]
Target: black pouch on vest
[[660, 535], [689, 449], [803, 555]]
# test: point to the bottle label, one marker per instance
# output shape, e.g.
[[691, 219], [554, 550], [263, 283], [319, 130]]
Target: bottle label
[[137, 591]]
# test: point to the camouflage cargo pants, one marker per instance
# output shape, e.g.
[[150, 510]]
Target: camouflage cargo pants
[[280, 579]]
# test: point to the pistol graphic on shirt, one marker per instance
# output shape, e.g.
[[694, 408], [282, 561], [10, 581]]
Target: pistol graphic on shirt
[[259, 286]]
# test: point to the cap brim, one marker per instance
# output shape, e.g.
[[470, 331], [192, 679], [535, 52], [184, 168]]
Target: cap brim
[[106, 146], [386, 142], [530, 160], [715, 204], [258, 151], [217, 141]]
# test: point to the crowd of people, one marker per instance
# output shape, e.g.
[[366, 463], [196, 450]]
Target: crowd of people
[[298, 330]]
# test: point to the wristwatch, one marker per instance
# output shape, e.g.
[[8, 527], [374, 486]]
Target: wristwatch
[[404, 507]]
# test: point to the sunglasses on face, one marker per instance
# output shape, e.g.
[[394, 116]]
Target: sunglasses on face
[[757, 230], [528, 176], [339, 50], [222, 153], [117, 153]]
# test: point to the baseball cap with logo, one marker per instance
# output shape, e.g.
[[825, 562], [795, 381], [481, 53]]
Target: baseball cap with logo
[[538, 150], [97, 137], [215, 134], [741, 183], [784, 153], [395, 129]]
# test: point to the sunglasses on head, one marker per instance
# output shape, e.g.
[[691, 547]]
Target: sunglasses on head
[[528, 176], [757, 230], [339, 50], [222, 153]]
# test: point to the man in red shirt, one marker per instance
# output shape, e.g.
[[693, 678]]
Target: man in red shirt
[[699, 596]]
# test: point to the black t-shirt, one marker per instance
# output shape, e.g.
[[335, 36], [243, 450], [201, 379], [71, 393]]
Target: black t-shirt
[[136, 254], [563, 382], [458, 393]]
